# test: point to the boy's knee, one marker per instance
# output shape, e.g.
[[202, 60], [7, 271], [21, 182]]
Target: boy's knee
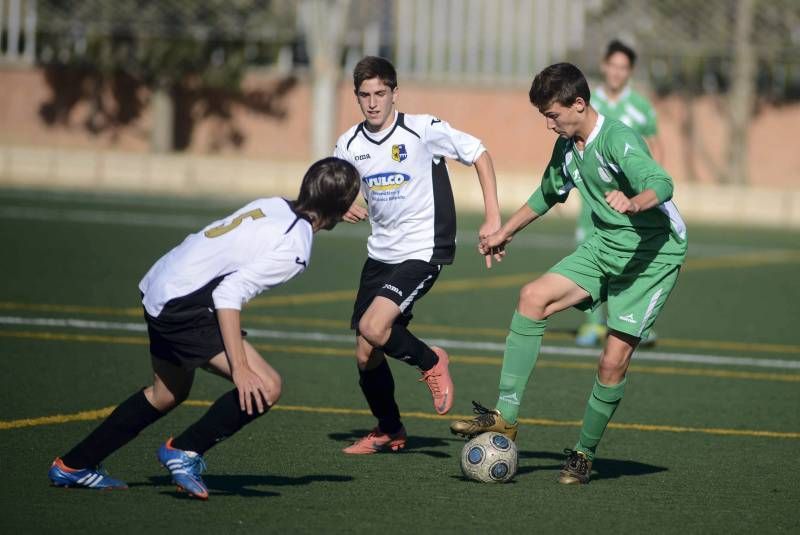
[[164, 400], [373, 331], [612, 370], [532, 301], [274, 385]]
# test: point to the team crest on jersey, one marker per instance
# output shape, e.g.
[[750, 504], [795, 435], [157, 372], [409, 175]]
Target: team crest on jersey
[[399, 153], [384, 182]]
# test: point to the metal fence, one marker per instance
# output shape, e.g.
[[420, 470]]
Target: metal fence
[[683, 43]]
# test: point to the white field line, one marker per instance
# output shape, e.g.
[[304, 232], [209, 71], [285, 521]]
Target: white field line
[[531, 240], [717, 360]]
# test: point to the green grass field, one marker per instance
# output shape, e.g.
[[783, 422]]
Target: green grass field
[[706, 440]]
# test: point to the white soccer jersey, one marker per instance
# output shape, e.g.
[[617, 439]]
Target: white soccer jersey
[[232, 260], [405, 183]]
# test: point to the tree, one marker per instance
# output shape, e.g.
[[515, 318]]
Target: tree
[[324, 23], [186, 56]]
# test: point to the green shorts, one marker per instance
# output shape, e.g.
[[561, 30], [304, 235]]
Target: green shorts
[[635, 289]]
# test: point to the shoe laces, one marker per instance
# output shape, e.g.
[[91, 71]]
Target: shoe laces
[[100, 469], [576, 461], [432, 379], [195, 464], [485, 416]]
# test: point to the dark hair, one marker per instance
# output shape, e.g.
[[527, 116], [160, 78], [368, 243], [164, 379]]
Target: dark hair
[[374, 67], [618, 46], [562, 83], [328, 189]]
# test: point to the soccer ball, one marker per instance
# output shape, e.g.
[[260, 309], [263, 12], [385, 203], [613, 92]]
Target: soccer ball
[[489, 458]]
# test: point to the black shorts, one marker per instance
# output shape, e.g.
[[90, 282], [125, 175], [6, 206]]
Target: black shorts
[[185, 336], [404, 283]]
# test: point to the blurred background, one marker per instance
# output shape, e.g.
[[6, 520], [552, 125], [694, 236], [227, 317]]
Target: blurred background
[[237, 97]]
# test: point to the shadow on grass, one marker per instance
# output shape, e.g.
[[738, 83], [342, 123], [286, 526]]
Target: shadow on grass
[[603, 468], [415, 444], [243, 484]]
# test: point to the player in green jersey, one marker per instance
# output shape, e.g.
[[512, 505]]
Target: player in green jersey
[[631, 260], [616, 99]]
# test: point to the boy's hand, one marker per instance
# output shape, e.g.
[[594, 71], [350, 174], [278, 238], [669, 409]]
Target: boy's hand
[[251, 388], [494, 246], [622, 204], [355, 214], [488, 228]]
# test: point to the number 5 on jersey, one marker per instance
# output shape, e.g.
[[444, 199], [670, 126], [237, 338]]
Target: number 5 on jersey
[[216, 232]]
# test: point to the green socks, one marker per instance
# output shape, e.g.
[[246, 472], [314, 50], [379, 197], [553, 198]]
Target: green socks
[[522, 349], [596, 316], [600, 408]]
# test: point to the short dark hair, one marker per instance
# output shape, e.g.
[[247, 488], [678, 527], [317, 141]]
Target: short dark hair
[[618, 46], [562, 83], [374, 67], [328, 189]]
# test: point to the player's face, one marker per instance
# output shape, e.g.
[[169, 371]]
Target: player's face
[[617, 71], [376, 101], [564, 120]]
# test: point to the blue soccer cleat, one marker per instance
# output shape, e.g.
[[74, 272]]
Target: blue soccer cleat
[[185, 467], [62, 475]]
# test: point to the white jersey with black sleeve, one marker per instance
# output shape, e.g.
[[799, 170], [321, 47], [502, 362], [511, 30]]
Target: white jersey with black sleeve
[[405, 183], [261, 245]]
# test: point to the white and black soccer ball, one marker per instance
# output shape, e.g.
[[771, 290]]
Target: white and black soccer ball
[[489, 458]]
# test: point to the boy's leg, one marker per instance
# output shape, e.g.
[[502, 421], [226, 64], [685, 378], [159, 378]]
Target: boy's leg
[[550, 293], [607, 392], [593, 331], [225, 417], [171, 385], [637, 296], [377, 384], [379, 327]]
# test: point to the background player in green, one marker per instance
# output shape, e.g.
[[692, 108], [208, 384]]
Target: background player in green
[[616, 99], [631, 261]]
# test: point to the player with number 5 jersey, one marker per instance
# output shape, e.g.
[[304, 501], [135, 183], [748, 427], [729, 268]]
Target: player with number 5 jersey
[[192, 298], [404, 181]]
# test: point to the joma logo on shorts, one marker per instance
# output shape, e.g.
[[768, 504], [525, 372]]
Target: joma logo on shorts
[[394, 289]]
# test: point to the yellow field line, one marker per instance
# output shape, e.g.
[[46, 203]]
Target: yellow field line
[[315, 351], [67, 337], [77, 309], [102, 413]]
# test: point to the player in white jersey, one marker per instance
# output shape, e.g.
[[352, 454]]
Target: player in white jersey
[[192, 299], [404, 181]]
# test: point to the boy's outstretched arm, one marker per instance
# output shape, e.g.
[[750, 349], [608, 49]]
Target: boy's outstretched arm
[[494, 245], [248, 382]]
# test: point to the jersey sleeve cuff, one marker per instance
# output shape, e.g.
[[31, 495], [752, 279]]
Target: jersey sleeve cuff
[[226, 302], [481, 149], [663, 191], [537, 203]]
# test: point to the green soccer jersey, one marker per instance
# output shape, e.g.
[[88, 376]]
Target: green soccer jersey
[[630, 107], [616, 158]]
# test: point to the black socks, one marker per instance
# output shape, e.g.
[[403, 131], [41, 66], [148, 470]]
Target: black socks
[[378, 387], [222, 420], [128, 420], [404, 346]]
